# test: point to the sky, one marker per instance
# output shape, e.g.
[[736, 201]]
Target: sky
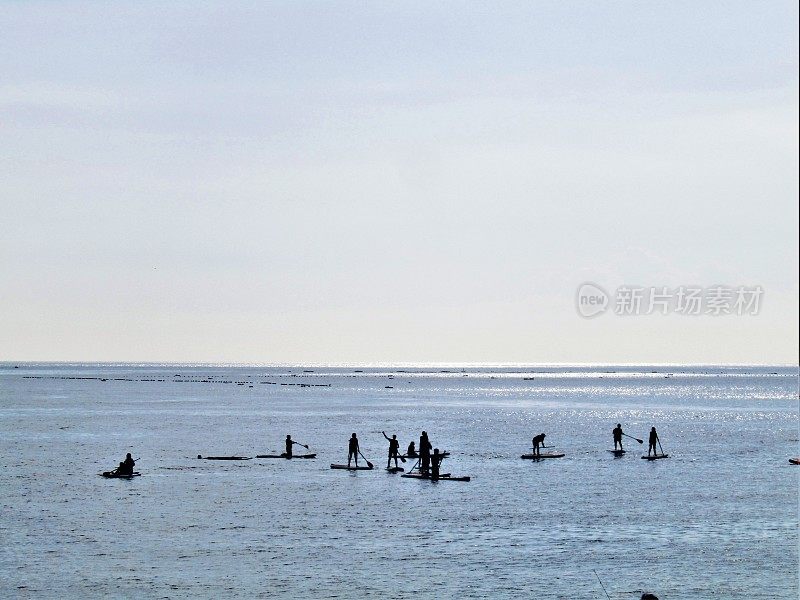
[[360, 182]]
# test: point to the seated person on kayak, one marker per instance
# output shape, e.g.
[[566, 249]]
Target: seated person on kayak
[[412, 450], [537, 441], [352, 450], [126, 466], [617, 432], [394, 449], [436, 461]]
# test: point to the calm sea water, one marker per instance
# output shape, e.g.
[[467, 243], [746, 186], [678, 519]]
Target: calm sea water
[[717, 519]]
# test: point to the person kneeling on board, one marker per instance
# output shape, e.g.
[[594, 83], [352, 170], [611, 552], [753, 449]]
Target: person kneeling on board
[[126, 466], [537, 441], [352, 450], [652, 442], [617, 436], [436, 461], [394, 449]]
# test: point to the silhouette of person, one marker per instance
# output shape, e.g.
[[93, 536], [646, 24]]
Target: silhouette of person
[[352, 450], [617, 436], [537, 441], [424, 453], [412, 450], [126, 466], [436, 461], [394, 449], [652, 442], [289, 444]]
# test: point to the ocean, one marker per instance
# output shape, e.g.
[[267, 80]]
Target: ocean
[[718, 518]]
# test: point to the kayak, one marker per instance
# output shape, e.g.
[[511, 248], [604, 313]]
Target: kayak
[[655, 456], [224, 457], [284, 456], [442, 477], [350, 468], [795, 461], [543, 455], [114, 475], [395, 469], [617, 452]]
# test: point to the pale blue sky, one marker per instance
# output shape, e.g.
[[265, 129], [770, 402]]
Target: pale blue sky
[[414, 181]]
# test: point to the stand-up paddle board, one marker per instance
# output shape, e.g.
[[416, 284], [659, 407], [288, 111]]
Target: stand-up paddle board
[[542, 455], [617, 452], [351, 468], [443, 477], [284, 456], [795, 461], [655, 456], [395, 469], [225, 457]]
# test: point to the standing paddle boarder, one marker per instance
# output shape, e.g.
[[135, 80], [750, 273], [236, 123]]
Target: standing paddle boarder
[[424, 453], [652, 442], [537, 441], [289, 443], [352, 450], [618, 436], [394, 449]]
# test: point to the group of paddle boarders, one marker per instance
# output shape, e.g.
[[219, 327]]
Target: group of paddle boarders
[[428, 462], [652, 451], [653, 441]]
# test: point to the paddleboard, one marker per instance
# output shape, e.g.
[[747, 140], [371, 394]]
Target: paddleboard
[[655, 456], [351, 468], [443, 477], [542, 455], [284, 456], [112, 475], [795, 461], [395, 469], [617, 452], [224, 457]]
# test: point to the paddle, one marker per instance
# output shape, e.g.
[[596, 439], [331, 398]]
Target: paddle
[[633, 438], [369, 464], [659, 445]]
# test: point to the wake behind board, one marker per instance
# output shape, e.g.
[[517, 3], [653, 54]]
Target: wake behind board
[[113, 475], [443, 477], [351, 468], [395, 469], [224, 457], [543, 455], [287, 457], [655, 456]]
